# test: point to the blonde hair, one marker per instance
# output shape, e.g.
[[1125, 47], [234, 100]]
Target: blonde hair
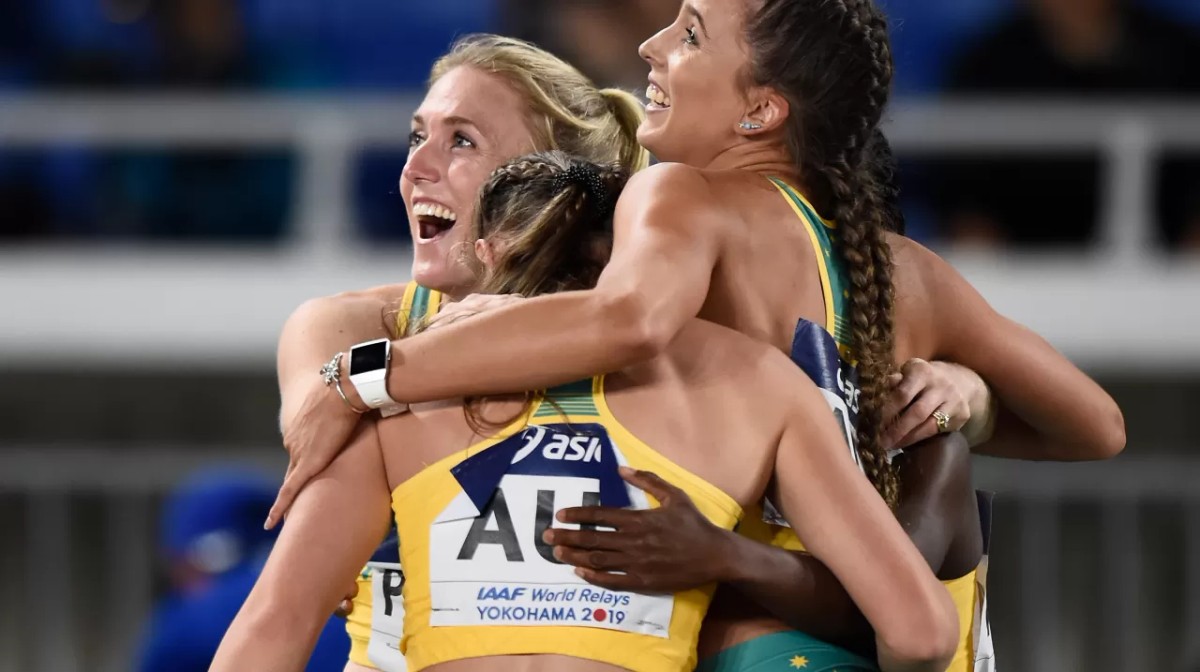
[[568, 112]]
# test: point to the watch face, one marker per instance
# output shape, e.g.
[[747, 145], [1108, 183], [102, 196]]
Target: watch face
[[366, 358]]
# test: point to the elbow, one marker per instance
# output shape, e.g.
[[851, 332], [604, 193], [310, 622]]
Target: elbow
[[636, 332], [926, 640], [1113, 441], [1108, 437]]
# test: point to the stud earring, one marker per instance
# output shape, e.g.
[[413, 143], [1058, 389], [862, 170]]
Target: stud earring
[[750, 126]]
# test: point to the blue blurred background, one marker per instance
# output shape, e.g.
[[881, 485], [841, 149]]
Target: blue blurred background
[[177, 175]]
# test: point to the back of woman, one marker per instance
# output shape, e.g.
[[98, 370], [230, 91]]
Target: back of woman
[[471, 512], [711, 416]]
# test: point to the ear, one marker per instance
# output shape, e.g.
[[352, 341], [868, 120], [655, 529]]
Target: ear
[[767, 111], [485, 253]]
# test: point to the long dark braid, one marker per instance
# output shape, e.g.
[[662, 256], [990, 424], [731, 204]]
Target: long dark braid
[[832, 60]]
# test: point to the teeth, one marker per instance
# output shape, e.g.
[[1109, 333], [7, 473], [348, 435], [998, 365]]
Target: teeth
[[656, 96], [431, 210]]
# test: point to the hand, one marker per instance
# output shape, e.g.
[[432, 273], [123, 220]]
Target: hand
[[663, 550], [347, 604], [472, 305], [316, 436], [923, 387]]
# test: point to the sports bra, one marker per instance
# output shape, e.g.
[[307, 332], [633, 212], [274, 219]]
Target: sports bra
[[479, 580]]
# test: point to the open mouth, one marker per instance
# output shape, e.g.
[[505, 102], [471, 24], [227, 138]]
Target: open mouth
[[657, 97], [433, 220]]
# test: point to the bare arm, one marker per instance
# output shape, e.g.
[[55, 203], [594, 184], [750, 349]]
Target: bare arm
[[1050, 410], [847, 526], [316, 330], [331, 532], [664, 251], [801, 591]]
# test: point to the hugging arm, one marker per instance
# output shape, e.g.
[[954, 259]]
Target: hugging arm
[[333, 528], [800, 590], [847, 526], [664, 250], [1049, 409]]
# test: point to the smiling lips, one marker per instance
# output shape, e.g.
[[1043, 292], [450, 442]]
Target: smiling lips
[[657, 96], [433, 220]]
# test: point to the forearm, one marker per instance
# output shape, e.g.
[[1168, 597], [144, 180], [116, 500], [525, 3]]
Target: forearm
[[534, 344], [267, 639], [312, 334], [1050, 410], [799, 590]]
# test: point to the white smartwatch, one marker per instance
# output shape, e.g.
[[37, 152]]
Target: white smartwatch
[[368, 374]]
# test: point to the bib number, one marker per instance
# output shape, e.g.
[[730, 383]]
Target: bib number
[[493, 569], [387, 617]]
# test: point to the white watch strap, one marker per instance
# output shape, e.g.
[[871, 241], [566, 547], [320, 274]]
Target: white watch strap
[[372, 387]]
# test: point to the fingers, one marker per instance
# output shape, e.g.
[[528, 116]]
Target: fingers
[[918, 412], [652, 484], [602, 516], [293, 483], [626, 582], [585, 539], [914, 377], [929, 427], [598, 560], [346, 606]]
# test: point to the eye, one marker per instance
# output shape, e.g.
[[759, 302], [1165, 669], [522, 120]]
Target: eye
[[691, 37], [415, 138], [461, 140]]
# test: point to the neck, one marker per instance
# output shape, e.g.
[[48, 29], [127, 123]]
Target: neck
[[769, 159]]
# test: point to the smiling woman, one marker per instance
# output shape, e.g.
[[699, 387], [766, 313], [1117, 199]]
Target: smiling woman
[[490, 99]]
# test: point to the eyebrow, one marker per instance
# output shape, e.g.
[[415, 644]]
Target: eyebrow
[[690, 9], [451, 121]]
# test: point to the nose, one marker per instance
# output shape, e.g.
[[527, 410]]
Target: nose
[[650, 49], [422, 164]]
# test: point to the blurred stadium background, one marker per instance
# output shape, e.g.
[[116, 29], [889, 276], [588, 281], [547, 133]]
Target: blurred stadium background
[[177, 175]]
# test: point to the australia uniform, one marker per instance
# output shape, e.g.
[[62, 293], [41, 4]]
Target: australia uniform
[[377, 621], [479, 580], [824, 353]]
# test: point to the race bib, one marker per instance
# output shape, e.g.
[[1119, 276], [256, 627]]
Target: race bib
[[816, 353], [488, 563], [387, 616]]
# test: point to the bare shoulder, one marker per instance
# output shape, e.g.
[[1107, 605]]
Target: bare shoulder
[[391, 293], [670, 187], [919, 267], [708, 353]]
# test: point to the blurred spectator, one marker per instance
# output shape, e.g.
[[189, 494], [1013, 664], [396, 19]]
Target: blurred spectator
[[214, 546], [1078, 49], [203, 44], [600, 37]]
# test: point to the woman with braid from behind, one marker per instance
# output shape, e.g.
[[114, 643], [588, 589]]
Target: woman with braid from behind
[[769, 110]]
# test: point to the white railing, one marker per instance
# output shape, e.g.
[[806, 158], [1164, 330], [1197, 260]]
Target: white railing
[[170, 305], [48, 614]]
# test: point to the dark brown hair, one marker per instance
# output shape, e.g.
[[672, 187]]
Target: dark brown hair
[[832, 61]]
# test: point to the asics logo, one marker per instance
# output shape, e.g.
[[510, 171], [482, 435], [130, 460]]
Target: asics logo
[[557, 446]]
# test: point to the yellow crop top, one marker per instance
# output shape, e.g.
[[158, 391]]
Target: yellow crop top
[[481, 582]]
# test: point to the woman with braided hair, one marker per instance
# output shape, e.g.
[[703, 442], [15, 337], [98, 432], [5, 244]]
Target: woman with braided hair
[[769, 110], [473, 484]]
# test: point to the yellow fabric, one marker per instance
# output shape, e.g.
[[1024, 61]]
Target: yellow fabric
[[822, 266], [963, 591], [418, 501], [358, 623]]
